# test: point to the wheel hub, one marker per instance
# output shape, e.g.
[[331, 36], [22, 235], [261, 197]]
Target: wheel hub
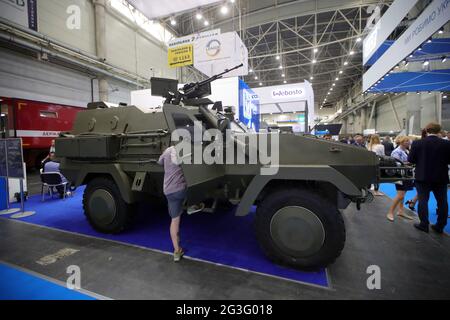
[[103, 207], [297, 231]]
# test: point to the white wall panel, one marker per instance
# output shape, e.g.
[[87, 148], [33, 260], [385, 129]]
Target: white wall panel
[[52, 17], [27, 78], [385, 118], [152, 59]]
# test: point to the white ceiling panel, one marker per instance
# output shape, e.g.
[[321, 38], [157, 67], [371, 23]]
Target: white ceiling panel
[[157, 8]]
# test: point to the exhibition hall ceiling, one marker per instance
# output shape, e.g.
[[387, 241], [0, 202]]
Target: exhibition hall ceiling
[[292, 41], [155, 8]]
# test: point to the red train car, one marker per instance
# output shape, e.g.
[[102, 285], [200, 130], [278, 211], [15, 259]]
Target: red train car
[[37, 123]]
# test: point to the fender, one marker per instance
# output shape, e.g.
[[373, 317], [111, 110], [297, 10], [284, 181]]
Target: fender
[[121, 179], [311, 173]]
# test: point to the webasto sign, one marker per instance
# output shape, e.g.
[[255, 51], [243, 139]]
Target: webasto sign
[[287, 93]]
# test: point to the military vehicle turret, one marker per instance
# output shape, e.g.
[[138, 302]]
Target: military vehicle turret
[[298, 194]]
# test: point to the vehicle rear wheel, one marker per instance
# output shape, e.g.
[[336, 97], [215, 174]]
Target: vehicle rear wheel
[[300, 228], [104, 207]]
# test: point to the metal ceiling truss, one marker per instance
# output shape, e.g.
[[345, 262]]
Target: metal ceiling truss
[[313, 45]]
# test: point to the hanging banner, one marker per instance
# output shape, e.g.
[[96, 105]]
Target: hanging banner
[[215, 54], [192, 38], [22, 12], [181, 56], [387, 24], [428, 23]]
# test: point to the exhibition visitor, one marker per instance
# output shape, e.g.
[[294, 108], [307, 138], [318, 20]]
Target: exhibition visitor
[[52, 166], [175, 189], [431, 156], [401, 154], [388, 146], [47, 158], [376, 147], [359, 141]]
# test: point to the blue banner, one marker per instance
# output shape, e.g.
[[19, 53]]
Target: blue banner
[[249, 107]]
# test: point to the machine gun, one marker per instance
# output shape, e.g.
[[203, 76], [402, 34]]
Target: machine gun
[[190, 94]]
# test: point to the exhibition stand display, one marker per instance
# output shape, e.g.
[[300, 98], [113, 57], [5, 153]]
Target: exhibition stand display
[[12, 166], [288, 99]]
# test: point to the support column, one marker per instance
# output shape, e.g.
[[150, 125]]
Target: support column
[[363, 119], [100, 44], [344, 126], [413, 114]]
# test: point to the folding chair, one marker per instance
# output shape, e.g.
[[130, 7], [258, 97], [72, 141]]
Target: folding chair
[[52, 180]]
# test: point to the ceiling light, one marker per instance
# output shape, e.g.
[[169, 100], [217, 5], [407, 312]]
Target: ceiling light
[[198, 16], [337, 79], [251, 70], [277, 57], [426, 63], [444, 59], [429, 41], [283, 75], [284, 81], [445, 97], [206, 23], [224, 9], [334, 84], [256, 77], [341, 72], [314, 61], [260, 83], [345, 63], [441, 31], [173, 22], [352, 52], [316, 50], [359, 39], [411, 56], [232, 1], [420, 49], [311, 78], [280, 67]]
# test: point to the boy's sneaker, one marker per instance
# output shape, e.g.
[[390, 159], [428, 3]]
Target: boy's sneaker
[[196, 208], [178, 255]]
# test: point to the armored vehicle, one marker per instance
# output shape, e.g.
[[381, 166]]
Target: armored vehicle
[[114, 152]]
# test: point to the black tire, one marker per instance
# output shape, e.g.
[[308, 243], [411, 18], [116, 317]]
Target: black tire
[[283, 214], [104, 207]]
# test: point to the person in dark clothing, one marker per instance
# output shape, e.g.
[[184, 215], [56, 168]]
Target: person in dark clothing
[[388, 146], [359, 141], [431, 157]]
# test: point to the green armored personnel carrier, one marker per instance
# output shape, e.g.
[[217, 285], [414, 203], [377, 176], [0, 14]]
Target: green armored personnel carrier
[[114, 152]]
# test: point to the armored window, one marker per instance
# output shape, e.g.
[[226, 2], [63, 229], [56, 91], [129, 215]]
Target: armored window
[[182, 120]]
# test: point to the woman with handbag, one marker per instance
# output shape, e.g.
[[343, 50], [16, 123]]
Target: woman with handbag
[[401, 154]]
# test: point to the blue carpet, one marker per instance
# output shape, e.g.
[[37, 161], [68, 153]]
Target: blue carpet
[[389, 190], [219, 238], [19, 285]]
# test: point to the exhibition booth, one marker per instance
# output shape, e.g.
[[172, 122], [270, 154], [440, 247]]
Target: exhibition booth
[[290, 105]]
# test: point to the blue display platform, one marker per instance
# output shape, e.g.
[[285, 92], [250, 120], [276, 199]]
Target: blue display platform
[[220, 238], [19, 285], [389, 190]]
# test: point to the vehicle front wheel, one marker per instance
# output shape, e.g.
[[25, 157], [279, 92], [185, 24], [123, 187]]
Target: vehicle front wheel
[[299, 228], [104, 207]]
